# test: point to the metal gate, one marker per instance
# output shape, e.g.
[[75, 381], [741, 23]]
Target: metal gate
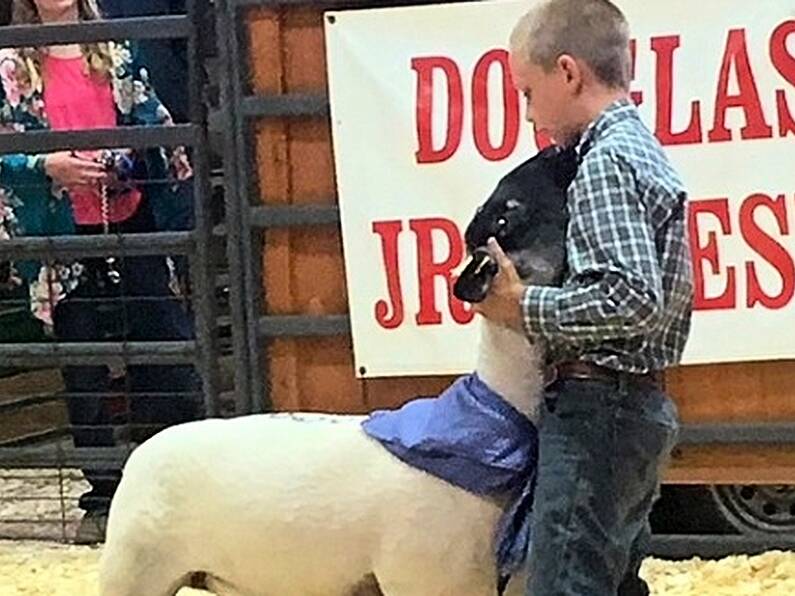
[[38, 461]]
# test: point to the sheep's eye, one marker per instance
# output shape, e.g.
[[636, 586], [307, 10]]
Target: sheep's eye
[[502, 222], [511, 204]]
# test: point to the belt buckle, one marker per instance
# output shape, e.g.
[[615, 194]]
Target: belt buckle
[[550, 376]]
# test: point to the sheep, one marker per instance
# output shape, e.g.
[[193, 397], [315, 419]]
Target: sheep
[[306, 504]]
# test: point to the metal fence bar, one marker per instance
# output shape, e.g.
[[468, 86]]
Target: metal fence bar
[[45, 141], [162, 27], [287, 105], [263, 216], [732, 434], [302, 325], [201, 262], [250, 391], [167, 352], [23, 403], [156, 243], [90, 458]]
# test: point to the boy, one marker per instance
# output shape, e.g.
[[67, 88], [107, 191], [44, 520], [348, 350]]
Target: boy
[[621, 316]]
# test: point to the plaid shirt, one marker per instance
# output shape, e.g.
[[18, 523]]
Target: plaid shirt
[[626, 301]]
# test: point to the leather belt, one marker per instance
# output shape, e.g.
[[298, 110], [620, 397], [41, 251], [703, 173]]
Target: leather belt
[[588, 370]]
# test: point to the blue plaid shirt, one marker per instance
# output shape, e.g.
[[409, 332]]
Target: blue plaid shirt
[[626, 301]]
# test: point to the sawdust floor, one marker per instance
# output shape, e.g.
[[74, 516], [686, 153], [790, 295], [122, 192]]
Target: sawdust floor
[[45, 569]]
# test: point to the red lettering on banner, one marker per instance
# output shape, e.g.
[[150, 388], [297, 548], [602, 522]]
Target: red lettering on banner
[[756, 127], [428, 269], [425, 68], [664, 47], [735, 71], [389, 231], [773, 252], [390, 313], [480, 107], [784, 63], [437, 235], [709, 252]]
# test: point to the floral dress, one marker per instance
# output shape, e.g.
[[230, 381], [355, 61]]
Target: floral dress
[[31, 204]]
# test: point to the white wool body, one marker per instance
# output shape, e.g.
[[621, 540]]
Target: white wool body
[[307, 505]]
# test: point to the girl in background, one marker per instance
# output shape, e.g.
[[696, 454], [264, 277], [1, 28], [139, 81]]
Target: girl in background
[[96, 85]]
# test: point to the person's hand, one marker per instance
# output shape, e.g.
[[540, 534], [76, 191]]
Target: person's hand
[[503, 303], [71, 171]]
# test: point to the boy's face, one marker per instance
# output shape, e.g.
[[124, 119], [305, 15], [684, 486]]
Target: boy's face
[[550, 97]]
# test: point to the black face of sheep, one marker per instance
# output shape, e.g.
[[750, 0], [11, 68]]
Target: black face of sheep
[[527, 215]]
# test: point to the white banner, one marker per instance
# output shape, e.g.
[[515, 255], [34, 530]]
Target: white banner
[[425, 122]]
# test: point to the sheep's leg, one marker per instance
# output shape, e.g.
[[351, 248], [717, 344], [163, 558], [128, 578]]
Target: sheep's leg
[[135, 572]]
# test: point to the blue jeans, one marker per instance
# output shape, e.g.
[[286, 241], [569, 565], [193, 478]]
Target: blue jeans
[[602, 446]]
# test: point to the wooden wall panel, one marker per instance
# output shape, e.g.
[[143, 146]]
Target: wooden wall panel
[[303, 268], [314, 374], [735, 464], [748, 392], [745, 392]]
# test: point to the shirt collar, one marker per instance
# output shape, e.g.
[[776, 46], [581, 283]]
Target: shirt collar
[[619, 110]]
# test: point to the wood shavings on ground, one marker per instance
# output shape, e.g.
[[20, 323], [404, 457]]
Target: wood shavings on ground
[[44, 569], [769, 574]]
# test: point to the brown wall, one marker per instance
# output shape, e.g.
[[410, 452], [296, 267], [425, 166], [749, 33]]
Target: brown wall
[[303, 268], [304, 274]]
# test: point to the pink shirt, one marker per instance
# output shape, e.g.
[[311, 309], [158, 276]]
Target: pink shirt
[[75, 101]]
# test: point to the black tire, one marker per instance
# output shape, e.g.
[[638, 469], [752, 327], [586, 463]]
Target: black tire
[[725, 509], [757, 509]]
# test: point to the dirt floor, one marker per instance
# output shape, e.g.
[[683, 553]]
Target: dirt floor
[[44, 569]]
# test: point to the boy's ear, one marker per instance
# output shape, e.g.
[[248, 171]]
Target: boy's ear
[[570, 69]]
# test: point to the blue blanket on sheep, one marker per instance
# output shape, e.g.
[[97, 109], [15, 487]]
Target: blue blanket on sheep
[[474, 439]]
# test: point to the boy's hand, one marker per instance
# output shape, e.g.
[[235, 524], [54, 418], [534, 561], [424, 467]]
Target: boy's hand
[[503, 303]]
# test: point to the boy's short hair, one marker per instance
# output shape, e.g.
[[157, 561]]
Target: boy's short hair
[[595, 31]]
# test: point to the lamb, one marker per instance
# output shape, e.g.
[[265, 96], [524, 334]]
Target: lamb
[[311, 505]]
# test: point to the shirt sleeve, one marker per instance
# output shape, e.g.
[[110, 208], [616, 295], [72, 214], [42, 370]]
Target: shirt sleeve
[[615, 287], [20, 169]]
